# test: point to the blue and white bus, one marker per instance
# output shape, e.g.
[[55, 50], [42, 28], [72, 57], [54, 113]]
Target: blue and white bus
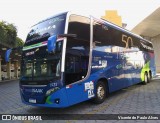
[[70, 58]]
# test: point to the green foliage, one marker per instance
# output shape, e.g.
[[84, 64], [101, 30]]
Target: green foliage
[[19, 42], [8, 35]]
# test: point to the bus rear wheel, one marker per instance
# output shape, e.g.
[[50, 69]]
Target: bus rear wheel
[[150, 76], [146, 79], [100, 93]]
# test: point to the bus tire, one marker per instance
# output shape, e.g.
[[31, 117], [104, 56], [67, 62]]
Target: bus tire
[[146, 80], [101, 93], [150, 76]]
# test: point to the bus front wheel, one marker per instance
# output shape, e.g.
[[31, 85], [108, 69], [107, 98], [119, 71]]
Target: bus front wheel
[[100, 94]]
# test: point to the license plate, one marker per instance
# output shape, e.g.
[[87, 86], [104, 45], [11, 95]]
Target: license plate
[[32, 100]]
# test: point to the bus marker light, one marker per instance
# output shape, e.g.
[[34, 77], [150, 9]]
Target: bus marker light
[[69, 86]]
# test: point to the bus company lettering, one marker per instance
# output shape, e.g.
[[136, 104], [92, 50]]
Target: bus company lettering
[[53, 84], [37, 90], [146, 47], [127, 39], [102, 64], [34, 90], [30, 53], [89, 86]]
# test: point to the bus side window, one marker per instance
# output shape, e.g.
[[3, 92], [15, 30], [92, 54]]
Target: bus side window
[[103, 40], [69, 64], [102, 37]]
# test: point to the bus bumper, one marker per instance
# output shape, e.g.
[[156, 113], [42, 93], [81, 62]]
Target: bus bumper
[[56, 100]]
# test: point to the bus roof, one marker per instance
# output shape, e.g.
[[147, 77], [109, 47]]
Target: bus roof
[[101, 20]]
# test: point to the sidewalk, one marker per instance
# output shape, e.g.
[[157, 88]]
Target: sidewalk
[[2, 81], [157, 76]]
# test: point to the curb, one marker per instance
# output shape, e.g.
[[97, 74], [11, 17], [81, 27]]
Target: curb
[[4, 81]]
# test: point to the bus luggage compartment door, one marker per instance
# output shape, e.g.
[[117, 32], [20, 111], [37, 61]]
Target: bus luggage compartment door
[[75, 93]]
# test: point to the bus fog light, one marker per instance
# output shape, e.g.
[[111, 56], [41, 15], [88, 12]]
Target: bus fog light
[[57, 101]]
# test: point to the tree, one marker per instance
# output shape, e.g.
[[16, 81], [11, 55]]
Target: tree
[[3, 32], [8, 34], [19, 42]]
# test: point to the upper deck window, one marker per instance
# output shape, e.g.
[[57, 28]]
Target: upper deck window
[[52, 26]]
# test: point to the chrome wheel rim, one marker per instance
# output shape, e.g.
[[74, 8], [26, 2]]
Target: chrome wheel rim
[[100, 92]]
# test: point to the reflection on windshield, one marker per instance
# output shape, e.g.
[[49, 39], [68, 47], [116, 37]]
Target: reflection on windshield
[[39, 69], [28, 69], [47, 28]]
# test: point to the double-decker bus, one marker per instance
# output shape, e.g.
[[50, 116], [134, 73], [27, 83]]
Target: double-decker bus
[[70, 58]]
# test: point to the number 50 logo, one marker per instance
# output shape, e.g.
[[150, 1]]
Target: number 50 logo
[[127, 40]]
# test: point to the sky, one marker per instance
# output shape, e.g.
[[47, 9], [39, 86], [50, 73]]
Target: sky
[[25, 13]]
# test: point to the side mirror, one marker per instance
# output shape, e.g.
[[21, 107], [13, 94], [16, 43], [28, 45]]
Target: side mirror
[[51, 45], [7, 55]]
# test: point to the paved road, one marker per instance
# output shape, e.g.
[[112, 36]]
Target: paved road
[[137, 99]]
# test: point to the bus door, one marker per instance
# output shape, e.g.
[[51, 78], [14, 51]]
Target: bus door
[[76, 67], [77, 58]]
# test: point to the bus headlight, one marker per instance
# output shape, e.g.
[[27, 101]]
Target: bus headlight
[[50, 91]]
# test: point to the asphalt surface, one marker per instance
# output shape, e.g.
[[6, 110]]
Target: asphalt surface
[[137, 99]]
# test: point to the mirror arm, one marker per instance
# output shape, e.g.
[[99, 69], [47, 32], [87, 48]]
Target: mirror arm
[[68, 35]]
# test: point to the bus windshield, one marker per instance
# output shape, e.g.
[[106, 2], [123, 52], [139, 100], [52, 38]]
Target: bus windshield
[[39, 69], [38, 65]]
